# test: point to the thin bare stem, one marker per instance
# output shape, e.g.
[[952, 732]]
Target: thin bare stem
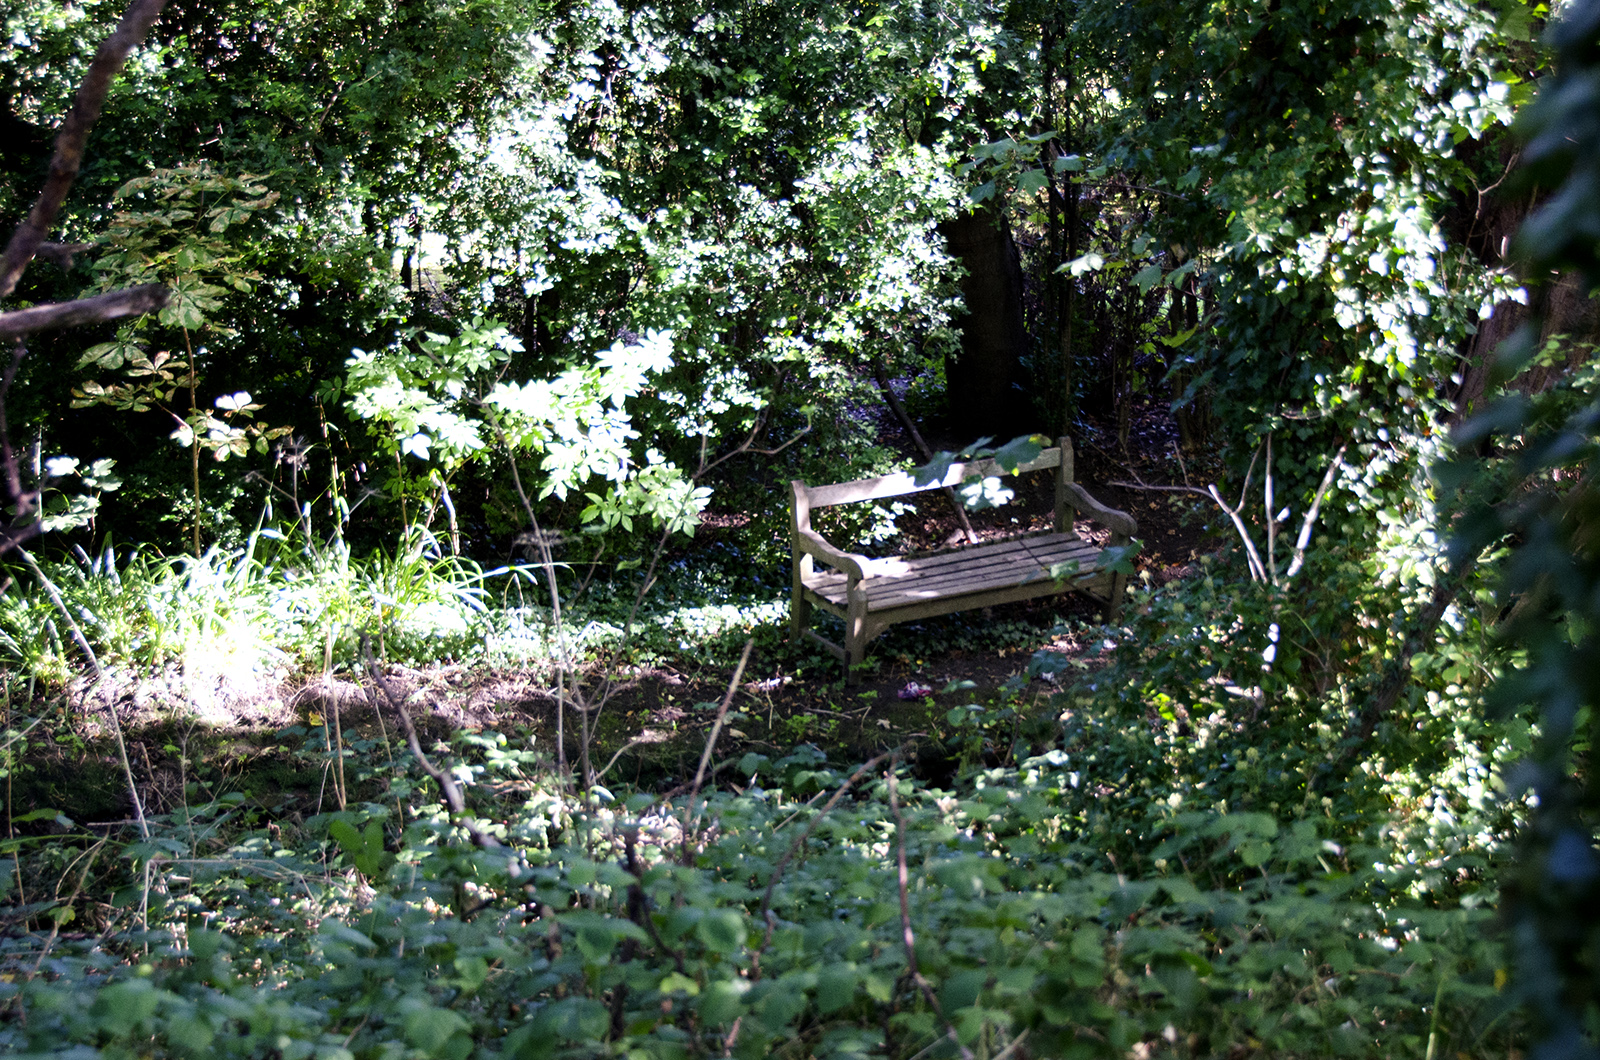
[[548, 564], [194, 440], [1258, 572], [447, 783], [1272, 523], [1310, 520], [907, 938], [711, 744], [800, 841], [1244, 491], [99, 675]]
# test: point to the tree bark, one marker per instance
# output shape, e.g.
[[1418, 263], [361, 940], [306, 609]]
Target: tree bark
[[129, 302], [74, 135], [981, 379]]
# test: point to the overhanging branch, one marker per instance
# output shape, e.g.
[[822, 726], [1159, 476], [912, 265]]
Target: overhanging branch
[[129, 302], [68, 158]]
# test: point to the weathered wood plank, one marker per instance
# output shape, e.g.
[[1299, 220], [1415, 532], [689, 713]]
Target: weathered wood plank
[[1011, 550], [833, 649], [949, 605], [901, 483], [989, 568], [959, 579], [900, 596], [895, 569], [1008, 556]]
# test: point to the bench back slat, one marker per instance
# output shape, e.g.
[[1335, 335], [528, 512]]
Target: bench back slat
[[904, 482]]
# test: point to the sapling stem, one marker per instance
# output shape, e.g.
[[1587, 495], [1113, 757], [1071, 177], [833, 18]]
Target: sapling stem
[[711, 744], [907, 938], [194, 440]]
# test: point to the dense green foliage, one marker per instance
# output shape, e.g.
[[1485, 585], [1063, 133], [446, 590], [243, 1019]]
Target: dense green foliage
[[454, 282], [775, 930]]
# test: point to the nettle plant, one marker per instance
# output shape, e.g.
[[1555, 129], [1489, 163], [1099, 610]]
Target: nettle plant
[[442, 400]]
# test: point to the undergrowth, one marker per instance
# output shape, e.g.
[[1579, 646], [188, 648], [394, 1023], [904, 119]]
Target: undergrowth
[[803, 909]]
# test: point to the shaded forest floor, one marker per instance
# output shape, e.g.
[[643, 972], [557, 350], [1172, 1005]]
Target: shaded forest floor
[[655, 717]]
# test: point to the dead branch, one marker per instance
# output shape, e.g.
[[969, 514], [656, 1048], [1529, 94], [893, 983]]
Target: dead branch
[[74, 135], [1258, 571], [62, 255], [882, 377], [1304, 539], [711, 745], [447, 783], [788, 855], [129, 302]]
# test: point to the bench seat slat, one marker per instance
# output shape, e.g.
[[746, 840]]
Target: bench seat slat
[[1018, 563], [981, 569]]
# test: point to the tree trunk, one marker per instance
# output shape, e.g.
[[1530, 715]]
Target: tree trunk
[[981, 379]]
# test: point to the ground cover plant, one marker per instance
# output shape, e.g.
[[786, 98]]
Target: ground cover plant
[[393, 594]]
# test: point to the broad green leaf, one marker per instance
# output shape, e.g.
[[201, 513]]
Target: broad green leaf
[[836, 986], [1032, 181], [430, 1029], [722, 930]]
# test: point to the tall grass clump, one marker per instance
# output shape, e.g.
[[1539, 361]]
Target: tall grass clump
[[273, 605]]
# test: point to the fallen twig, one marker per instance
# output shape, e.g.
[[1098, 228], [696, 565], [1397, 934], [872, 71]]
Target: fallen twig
[[447, 783], [783, 862]]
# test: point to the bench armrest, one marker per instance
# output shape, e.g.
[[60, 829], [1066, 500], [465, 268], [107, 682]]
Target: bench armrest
[[814, 544], [1118, 522]]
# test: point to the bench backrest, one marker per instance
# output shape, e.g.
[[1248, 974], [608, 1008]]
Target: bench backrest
[[804, 498]]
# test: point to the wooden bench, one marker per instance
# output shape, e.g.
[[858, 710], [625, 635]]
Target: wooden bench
[[873, 594]]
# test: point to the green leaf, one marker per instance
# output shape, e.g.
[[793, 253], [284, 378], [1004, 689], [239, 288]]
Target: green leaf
[[123, 1006], [677, 982], [1090, 262], [1019, 451], [430, 1029], [1032, 181], [722, 930], [934, 470], [722, 1001], [836, 986]]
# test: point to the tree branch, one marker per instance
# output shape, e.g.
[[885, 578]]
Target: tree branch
[[62, 255], [447, 784], [129, 302], [1304, 540], [74, 135], [907, 938]]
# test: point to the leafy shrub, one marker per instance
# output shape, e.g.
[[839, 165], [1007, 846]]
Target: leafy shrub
[[784, 930]]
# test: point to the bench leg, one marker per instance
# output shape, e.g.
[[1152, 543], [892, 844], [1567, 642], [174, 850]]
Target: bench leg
[[1119, 588], [799, 606], [855, 638], [799, 616]]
